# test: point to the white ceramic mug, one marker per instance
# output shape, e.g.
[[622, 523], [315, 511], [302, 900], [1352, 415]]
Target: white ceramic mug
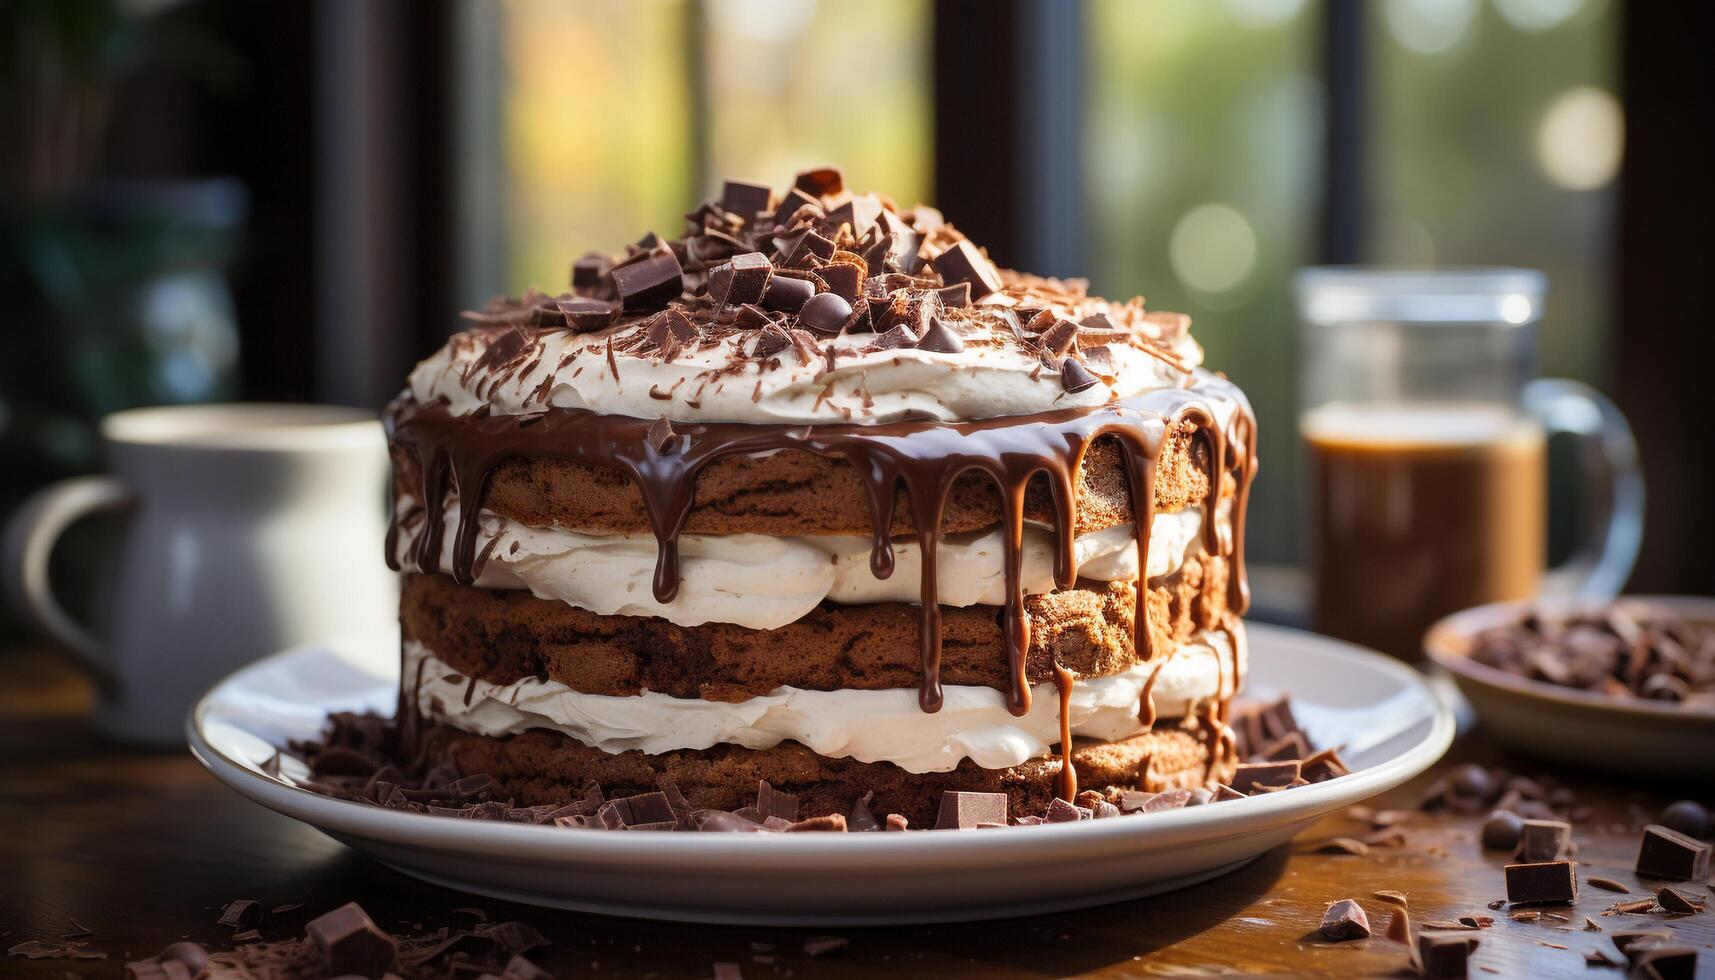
[[247, 529]]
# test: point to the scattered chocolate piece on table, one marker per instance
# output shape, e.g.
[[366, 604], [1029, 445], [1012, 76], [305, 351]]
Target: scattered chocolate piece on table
[[1664, 962], [1540, 883], [1689, 817], [241, 913], [1673, 900], [1502, 830], [1667, 853], [1606, 884], [1345, 920], [351, 943], [1444, 955], [1543, 840]]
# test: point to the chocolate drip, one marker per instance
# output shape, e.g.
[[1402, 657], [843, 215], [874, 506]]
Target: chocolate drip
[[456, 455], [1064, 680]]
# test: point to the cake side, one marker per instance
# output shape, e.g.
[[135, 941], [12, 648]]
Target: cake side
[[818, 492]]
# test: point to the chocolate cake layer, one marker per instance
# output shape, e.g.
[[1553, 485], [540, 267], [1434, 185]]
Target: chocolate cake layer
[[547, 767], [503, 635], [795, 492]]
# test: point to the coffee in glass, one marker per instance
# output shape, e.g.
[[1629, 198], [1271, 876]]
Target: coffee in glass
[[1426, 452]]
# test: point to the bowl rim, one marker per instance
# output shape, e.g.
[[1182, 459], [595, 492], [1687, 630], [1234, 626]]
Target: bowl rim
[[1446, 644]]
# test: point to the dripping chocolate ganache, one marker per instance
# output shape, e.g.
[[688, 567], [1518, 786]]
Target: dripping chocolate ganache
[[817, 496]]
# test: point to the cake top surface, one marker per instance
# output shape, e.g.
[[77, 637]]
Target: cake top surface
[[816, 305]]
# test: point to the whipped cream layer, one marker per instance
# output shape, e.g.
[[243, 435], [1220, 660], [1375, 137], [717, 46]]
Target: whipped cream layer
[[764, 582], [869, 726], [864, 386]]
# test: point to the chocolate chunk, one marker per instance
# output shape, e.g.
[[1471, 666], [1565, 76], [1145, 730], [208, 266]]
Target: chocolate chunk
[[1223, 793], [349, 943], [956, 296], [861, 212], [1665, 963], [587, 272], [588, 315], [861, 817], [1444, 956], [241, 914], [963, 811], [1677, 901], [1292, 745], [1543, 840], [650, 283], [740, 280], [1060, 337], [1062, 811], [1253, 776], [861, 320], [940, 338], [896, 821], [825, 313], [636, 812], [1345, 920], [773, 340], [903, 253], [752, 317], [788, 294], [792, 203], [1667, 853], [820, 182], [1626, 940], [771, 802], [1323, 766], [797, 249], [963, 263], [897, 337], [1502, 830], [1689, 817], [1074, 377], [1545, 882], [1606, 884], [746, 199], [843, 280]]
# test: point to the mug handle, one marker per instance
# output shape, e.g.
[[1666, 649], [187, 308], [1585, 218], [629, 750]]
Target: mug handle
[[29, 540], [1614, 525]]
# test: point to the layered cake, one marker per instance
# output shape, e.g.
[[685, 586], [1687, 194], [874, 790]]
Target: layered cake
[[817, 496]]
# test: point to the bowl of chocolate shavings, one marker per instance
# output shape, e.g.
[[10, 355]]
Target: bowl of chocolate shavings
[[1626, 685]]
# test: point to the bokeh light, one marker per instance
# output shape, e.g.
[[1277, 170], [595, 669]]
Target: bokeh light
[[1212, 248], [1430, 26], [1581, 138], [1538, 15]]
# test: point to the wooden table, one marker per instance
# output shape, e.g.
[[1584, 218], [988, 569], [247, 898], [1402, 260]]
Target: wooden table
[[145, 849]]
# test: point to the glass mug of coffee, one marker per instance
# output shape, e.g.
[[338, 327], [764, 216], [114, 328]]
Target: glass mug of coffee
[[1425, 438]]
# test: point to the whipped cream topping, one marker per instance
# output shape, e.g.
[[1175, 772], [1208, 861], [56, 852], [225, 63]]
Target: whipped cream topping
[[869, 726], [864, 386], [764, 582]]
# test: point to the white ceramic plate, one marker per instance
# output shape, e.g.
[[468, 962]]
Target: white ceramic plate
[[1578, 727], [1390, 725]]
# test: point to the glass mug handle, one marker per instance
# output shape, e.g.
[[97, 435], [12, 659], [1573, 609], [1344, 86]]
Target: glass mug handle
[[1608, 457]]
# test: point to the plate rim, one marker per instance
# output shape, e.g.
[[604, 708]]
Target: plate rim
[[1441, 645], [872, 853]]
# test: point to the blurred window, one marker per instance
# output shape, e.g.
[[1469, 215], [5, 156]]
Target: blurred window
[[618, 114]]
